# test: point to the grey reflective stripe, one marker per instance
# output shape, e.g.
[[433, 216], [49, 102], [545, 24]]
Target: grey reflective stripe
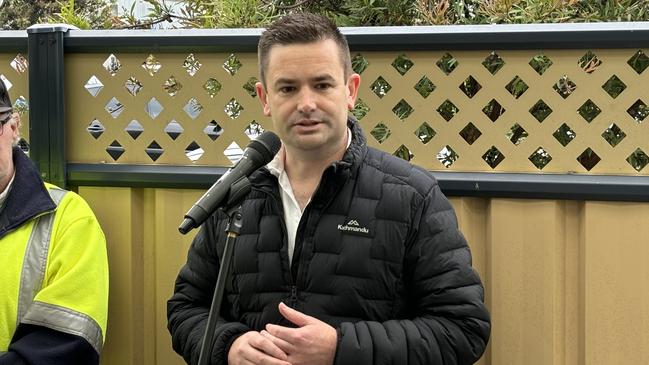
[[35, 260], [65, 320]]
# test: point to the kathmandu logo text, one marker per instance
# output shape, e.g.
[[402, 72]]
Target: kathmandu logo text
[[353, 227]]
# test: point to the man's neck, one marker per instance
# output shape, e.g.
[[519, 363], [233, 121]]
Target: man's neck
[[304, 170]]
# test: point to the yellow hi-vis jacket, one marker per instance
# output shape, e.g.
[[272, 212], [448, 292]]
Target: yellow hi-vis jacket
[[54, 270]]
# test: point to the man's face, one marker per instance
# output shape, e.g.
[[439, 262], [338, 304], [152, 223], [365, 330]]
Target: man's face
[[8, 132], [307, 96]]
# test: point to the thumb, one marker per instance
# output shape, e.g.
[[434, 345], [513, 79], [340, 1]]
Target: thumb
[[298, 318]]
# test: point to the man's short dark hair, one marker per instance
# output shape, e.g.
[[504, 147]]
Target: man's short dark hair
[[301, 28]]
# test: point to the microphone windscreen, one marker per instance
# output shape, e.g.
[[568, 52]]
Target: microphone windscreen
[[267, 144]]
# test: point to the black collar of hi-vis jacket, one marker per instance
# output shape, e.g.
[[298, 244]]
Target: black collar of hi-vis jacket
[[28, 196]]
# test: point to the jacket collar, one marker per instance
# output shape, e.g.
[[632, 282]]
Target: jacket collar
[[28, 197]]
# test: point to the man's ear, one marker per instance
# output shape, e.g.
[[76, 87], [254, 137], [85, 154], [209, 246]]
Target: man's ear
[[263, 98], [353, 83]]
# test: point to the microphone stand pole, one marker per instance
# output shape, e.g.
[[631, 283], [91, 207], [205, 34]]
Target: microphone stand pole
[[238, 190]]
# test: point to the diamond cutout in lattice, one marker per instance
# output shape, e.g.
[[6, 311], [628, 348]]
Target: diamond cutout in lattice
[[614, 86], [516, 87], [402, 64], [380, 87], [359, 63], [540, 110], [21, 106], [114, 107], [540, 63], [493, 63], [174, 129], [404, 153], [112, 64], [402, 110], [253, 130], [613, 135], [233, 109], [212, 87], [191, 64], [93, 85], [564, 134], [564, 86], [194, 152], [493, 110], [6, 81], [23, 145], [470, 133], [232, 64], [540, 158], [639, 62], [154, 150], [588, 159], [193, 108], [381, 132], [589, 110], [19, 64], [447, 156], [470, 86], [425, 133], [115, 150], [151, 65], [447, 110], [134, 129], [589, 62], [172, 86], [638, 159], [516, 134], [95, 128], [638, 111], [233, 152], [133, 86], [153, 108], [249, 86], [424, 87], [447, 63], [493, 157], [360, 109], [213, 130]]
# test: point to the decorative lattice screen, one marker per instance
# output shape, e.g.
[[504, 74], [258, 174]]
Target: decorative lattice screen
[[560, 111], [14, 73]]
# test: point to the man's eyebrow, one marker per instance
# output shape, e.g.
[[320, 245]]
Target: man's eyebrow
[[325, 77], [284, 80]]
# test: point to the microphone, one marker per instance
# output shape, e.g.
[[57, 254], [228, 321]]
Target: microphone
[[258, 153]]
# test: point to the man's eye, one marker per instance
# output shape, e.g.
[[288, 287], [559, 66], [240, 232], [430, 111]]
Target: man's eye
[[323, 86], [286, 89]]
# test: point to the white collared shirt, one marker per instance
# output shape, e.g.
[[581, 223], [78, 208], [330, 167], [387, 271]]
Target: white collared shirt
[[292, 211], [3, 195]]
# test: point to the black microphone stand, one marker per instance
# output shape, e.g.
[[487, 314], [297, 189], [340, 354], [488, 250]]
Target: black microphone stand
[[232, 208]]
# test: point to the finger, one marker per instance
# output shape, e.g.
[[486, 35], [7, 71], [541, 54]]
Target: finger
[[298, 318], [286, 346], [268, 347], [284, 333]]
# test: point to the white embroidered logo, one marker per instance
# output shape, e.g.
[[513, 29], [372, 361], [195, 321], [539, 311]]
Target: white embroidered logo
[[354, 227]]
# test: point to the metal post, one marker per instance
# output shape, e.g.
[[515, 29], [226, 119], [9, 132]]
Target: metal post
[[47, 100]]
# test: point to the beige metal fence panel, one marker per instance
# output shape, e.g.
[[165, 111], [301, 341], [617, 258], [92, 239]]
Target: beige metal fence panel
[[557, 111]]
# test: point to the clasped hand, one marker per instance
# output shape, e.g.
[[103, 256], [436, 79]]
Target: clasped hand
[[313, 342]]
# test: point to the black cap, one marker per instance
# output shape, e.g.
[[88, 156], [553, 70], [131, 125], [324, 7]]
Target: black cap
[[5, 101]]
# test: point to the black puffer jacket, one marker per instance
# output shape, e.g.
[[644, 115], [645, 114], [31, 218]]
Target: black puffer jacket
[[378, 256]]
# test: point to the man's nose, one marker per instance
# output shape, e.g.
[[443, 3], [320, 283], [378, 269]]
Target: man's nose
[[306, 102]]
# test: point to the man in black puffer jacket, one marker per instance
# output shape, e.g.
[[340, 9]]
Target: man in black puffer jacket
[[347, 255]]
